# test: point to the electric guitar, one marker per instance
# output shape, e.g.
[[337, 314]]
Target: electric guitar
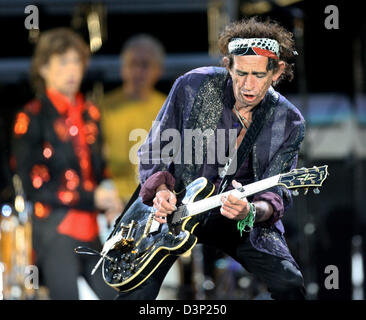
[[138, 243]]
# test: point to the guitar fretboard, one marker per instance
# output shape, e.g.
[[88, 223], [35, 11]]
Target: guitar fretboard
[[203, 205]]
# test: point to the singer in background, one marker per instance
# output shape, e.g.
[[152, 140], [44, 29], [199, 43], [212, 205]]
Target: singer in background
[[57, 153]]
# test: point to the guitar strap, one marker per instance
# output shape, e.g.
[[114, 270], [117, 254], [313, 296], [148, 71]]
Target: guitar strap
[[260, 117], [236, 160]]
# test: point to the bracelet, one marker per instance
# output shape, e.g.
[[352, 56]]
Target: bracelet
[[247, 223]]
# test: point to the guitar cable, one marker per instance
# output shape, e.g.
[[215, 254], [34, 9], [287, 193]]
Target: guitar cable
[[91, 252]]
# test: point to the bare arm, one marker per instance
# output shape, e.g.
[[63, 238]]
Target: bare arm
[[264, 211]]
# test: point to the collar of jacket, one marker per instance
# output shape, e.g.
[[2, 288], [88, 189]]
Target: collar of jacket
[[206, 112]]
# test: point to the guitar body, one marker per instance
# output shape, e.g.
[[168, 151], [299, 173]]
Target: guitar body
[[141, 248], [139, 244]]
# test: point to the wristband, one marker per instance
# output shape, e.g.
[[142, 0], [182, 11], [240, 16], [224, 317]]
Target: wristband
[[247, 223]]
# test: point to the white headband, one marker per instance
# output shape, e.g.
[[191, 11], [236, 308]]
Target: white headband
[[258, 46]]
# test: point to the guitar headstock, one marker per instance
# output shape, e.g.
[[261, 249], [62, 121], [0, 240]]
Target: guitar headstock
[[304, 178]]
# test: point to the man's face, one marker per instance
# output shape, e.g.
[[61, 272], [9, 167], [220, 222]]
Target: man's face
[[251, 79], [64, 72], [140, 70]]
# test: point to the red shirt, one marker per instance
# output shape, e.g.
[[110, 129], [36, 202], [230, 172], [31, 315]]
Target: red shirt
[[78, 224]]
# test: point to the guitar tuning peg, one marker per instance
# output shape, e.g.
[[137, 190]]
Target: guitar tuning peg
[[295, 193], [306, 191], [316, 191]]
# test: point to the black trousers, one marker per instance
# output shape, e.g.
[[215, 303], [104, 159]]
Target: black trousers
[[60, 268], [284, 281]]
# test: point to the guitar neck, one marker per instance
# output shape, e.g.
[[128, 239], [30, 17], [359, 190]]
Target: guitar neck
[[215, 201]]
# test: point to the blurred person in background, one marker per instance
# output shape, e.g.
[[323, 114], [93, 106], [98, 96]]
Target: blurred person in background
[[57, 152], [134, 105]]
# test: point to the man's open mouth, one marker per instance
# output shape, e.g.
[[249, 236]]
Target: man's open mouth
[[249, 96]]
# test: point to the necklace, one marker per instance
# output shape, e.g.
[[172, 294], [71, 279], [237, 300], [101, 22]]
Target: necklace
[[242, 118]]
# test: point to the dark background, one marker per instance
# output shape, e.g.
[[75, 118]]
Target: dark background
[[329, 61]]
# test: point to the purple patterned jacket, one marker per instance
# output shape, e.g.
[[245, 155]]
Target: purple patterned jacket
[[198, 100]]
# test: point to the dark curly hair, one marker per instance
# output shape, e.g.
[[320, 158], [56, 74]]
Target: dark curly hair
[[253, 28]]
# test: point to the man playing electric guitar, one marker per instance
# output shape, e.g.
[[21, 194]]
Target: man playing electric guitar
[[240, 97]]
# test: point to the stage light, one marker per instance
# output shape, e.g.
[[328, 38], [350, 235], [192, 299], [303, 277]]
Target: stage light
[[19, 203], [6, 210]]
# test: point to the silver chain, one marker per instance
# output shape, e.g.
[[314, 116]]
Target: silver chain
[[241, 118]]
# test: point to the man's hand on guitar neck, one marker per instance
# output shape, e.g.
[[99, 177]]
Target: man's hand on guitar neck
[[164, 203], [238, 209]]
